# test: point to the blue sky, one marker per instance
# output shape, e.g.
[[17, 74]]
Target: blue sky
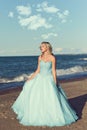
[[24, 24]]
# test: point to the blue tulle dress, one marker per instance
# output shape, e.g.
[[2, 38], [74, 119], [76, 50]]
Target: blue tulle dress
[[42, 103]]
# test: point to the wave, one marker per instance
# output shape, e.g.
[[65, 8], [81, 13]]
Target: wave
[[60, 72], [72, 70], [83, 59], [20, 78]]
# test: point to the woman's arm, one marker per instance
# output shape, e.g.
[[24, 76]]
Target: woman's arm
[[54, 70], [36, 72]]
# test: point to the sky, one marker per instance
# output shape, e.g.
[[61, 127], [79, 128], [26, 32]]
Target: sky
[[24, 24]]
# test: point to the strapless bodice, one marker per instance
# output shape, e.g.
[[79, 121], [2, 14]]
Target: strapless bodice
[[45, 67]]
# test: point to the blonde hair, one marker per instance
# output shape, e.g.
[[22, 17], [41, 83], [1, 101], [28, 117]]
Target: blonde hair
[[48, 45]]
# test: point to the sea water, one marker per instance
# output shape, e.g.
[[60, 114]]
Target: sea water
[[14, 70]]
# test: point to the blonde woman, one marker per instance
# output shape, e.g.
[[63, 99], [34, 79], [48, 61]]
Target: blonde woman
[[42, 102]]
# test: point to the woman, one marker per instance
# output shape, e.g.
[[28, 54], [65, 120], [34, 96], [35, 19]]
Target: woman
[[42, 102]]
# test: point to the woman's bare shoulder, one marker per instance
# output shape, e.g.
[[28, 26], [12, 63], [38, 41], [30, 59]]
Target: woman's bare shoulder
[[53, 58], [39, 57]]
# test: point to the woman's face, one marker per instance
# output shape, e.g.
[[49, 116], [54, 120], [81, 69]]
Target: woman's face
[[43, 47]]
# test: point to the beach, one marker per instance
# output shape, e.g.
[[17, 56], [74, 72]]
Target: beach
[[76, 91]]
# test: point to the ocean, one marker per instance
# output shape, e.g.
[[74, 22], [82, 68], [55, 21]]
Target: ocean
[[14, 70]]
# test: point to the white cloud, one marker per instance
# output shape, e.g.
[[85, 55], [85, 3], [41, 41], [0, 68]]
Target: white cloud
[[66, 12], [11, 14], [84, 50], [34, 22], [46, 36], [63, 16], [48, 9], [63, 21], [16, 51], [24, 10], [50, 18], [2, 51], [60, 15], [70, 50], [58, 49]]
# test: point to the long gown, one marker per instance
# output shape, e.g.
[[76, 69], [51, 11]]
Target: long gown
[[43, 103]]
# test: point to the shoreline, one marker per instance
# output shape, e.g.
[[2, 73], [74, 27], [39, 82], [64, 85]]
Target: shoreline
[[19, 88]]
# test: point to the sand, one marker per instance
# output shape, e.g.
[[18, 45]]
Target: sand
[[76, 91]]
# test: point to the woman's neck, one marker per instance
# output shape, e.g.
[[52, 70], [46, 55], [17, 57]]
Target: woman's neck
[[46, 53]]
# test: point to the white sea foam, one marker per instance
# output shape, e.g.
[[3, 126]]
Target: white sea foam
[[60, 72], [83, 59], [71, 70], [16, 79]]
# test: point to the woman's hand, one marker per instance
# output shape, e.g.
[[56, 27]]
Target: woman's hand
[[28, 79]]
